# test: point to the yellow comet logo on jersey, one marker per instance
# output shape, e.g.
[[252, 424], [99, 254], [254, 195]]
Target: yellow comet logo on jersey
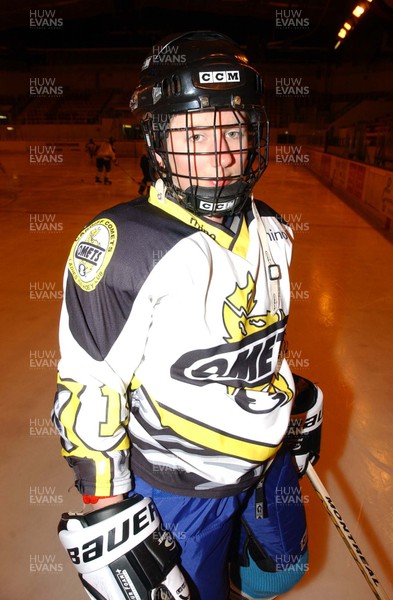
[[91, 253], [240, 323], [237, 313]]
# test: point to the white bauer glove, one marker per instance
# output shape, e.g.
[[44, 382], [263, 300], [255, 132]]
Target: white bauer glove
[[123, 551], [303, 436]]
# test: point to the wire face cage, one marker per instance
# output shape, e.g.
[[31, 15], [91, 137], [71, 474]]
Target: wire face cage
[[211, 159]]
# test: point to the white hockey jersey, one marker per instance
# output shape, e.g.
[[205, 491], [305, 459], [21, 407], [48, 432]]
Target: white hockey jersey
[[171, 341]]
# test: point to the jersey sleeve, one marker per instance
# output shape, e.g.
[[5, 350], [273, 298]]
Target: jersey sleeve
[[92, 420], [91, 408]]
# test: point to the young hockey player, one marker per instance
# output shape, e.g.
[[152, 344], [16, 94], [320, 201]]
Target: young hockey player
[[174, 395]]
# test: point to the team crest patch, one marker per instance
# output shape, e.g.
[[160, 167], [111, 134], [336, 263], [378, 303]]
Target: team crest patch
[[91, 253]]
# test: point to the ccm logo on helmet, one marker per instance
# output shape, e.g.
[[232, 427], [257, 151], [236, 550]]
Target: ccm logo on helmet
[[219, 76]]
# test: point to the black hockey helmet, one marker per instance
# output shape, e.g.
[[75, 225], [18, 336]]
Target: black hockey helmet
[[196, 72]]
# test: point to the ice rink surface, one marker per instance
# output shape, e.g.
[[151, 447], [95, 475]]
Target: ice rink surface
[[340, 335]]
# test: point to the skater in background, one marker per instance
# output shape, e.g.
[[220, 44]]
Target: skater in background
[[147, 179], [104, 157], [91, 149], [174, 392]]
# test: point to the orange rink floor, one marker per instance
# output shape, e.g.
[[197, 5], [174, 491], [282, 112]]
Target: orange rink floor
[[340, 333]]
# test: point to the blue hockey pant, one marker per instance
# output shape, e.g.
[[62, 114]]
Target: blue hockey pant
[[261, 533]]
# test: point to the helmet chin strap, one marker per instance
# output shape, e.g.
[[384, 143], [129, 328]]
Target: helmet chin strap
[[215, 201]]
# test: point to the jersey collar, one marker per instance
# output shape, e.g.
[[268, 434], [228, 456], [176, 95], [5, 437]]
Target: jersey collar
[[237, 241]]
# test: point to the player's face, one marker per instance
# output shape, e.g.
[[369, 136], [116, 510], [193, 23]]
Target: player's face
[[207, 149]]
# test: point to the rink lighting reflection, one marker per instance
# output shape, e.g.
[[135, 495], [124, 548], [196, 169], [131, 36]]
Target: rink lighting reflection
[[326, 309]]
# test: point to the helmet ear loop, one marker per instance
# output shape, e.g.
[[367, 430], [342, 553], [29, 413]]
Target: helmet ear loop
[[157, 146], [163, 153], [152, 146]]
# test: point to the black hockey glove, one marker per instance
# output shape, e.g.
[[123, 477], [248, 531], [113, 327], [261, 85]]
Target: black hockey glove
[[123, 551], [305, 426]]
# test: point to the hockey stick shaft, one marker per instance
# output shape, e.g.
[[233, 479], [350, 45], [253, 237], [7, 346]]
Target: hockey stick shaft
[[346, 535]]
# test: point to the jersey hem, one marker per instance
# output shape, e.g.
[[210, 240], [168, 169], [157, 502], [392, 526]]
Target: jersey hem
[[183, 490]]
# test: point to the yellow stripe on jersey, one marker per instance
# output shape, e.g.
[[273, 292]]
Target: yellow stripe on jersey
[[69, 419], [242, 242], [214, 440], [223, 238]]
